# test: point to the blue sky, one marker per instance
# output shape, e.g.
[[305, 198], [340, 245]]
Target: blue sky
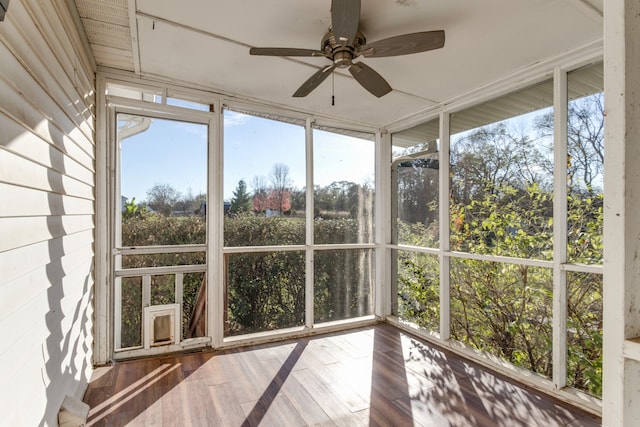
[[168, 152], [175, 153]]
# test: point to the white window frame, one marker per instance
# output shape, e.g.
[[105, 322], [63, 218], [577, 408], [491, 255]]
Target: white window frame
[[557, 384], [109, 213], [309, 247], [117, 105]]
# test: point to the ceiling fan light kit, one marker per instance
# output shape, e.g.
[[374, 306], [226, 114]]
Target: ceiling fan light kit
[[343, 43]]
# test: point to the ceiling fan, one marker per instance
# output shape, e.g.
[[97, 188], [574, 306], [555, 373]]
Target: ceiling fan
[[343, 43]]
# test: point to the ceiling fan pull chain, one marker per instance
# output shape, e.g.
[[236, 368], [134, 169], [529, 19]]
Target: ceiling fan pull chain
[[333, 89]]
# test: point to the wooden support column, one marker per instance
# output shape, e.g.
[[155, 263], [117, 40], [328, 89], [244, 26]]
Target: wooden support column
[[621, 362]]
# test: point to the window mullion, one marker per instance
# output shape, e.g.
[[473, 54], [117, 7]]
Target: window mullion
[[309, 253], [560, 228], [384, 292], [215, 229], [445, 312]]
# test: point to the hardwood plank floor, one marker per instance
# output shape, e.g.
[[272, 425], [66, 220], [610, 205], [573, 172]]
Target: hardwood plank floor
[[374, 376]]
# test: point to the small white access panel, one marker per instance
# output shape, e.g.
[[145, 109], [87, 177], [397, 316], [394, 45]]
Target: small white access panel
[[161, 325]]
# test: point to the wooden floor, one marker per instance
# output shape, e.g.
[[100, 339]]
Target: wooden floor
[[375, 376]]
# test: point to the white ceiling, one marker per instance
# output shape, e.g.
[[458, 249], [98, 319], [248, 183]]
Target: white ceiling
[[206, 43]]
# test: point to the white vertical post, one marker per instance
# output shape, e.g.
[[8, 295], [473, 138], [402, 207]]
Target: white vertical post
[[215, 228], [559, 339], [179, 288], [117, 309], [179, 292], [443, 213], [103, 316], [146, 302], [309, 240], [146, 290], [114, 217], [621, 375], [383, 289]]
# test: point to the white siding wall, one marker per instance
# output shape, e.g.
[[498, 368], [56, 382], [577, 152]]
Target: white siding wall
[[47, 187]]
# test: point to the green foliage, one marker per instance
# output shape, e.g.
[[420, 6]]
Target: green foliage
[[418, 234], [241, 200], [265, 291], [584, 326], [343, 284], [162, 292], [505, 309], [163, 289], [253, 230], [501, 204], [342, 199], [347, 230], [130, 209], [506, 222], [585, 225], [150, 229], [419, 288], [131, 312], [153, 229]]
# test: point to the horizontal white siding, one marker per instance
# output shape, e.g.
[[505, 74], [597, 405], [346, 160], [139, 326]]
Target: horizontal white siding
[[24, 201], [47, 206], [26, 288]]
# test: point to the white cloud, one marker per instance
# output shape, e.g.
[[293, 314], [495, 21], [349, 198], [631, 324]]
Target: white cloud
[[231, 118]]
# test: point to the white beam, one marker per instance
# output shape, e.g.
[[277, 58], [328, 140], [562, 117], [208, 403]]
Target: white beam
[[133, 29]]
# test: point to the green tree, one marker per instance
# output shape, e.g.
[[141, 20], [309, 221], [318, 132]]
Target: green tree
[[298, 199], [241, 200], [504, 308], [130, 209]]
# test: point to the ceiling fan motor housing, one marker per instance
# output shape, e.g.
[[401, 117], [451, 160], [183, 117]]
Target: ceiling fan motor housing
[[341, 54]]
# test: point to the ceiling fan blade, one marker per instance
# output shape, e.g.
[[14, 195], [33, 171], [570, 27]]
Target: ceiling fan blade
[[345, 19], [369, 79], [404, 44], [284, 51], [314, 81]]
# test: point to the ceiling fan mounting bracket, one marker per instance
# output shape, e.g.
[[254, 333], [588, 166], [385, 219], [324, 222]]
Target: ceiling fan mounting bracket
[[329, 41]]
